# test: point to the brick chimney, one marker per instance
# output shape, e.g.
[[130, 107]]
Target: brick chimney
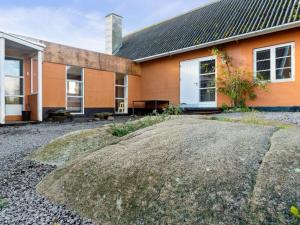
[[113, 33]]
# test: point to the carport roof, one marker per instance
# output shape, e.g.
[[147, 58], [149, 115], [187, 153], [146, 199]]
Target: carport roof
[[219, 22]]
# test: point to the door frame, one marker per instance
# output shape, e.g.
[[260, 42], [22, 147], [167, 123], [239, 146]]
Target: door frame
[[22, 76], [200, 104], [125, 99]]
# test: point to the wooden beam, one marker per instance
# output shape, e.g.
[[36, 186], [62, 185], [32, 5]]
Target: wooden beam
[[61, 54]]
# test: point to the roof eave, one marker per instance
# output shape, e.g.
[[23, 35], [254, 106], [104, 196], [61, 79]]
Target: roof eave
[[222, 41], [22, 41]]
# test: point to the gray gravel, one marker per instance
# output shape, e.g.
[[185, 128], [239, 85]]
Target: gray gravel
[[19, 176], [288, 117]]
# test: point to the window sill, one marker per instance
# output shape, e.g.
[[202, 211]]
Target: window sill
[[282, 81], [277, 81]]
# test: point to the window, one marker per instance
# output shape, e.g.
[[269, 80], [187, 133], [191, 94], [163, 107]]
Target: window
[[121, 93], [75, 86], [14, 88], [207, 81], [275, 63]]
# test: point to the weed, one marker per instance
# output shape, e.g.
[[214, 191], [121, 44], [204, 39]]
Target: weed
[[3, 203], [295, 212], [173, 110], [122, 129]]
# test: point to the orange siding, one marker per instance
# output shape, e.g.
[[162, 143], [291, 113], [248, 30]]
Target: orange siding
[[54, 85], [32, 100], [13, 118], [27, 81], [160, 78], [134, 89], [99, 89]]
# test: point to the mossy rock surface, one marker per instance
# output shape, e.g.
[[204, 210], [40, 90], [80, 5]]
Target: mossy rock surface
[[73, 145], [183, 171], [277, 186]]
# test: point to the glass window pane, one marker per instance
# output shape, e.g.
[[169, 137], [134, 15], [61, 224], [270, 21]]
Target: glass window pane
[[283, 51], [74, 73], [13, 86], [264, 54], [207, 81], [120, 106], [120, 79], [284, 73], [13, 100], [74, 105], [120, 92], [12, 67], [263, 65], [207, 95], [207, 67], [283, 62], [264, 75], [74, 88]]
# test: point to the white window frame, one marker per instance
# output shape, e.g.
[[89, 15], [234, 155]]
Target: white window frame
[[22, 76], [82, 82], [208, 104], [273, 62], [125, 94]]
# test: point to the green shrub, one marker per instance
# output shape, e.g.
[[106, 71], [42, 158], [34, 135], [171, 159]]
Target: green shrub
[[225, 107], [236, 83], [123, 129], [103, 115], [173, 110], [60, 115], [3, 203]]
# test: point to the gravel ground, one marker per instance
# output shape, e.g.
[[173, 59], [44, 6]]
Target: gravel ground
[[19, 176], [288, 117]]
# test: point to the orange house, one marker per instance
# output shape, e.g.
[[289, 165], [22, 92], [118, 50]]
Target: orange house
[[168, 62]]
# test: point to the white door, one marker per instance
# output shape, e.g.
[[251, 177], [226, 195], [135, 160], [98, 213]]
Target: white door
[[189, 83], [197, 83]]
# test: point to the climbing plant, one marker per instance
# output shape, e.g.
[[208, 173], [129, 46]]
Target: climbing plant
[[235, 83]]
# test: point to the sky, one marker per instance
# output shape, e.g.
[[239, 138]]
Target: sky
[[81, 23]]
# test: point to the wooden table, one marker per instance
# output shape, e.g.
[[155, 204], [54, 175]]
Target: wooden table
[[154, 102]]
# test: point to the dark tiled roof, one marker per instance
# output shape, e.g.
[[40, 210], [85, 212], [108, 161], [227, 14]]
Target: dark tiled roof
[[219, 20]]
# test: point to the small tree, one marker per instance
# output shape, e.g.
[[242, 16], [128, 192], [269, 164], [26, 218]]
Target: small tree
[[235, 83]]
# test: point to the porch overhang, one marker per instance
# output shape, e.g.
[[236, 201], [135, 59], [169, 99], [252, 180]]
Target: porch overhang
[[22, 41], [12, 45]]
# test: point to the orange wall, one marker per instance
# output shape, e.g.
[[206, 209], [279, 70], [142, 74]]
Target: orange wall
[[54, 85], [160, 78], [134, 89], [99, 89]]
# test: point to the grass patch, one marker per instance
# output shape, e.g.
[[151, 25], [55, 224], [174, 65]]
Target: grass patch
[[253, 120], [3, 203], [120, 130]]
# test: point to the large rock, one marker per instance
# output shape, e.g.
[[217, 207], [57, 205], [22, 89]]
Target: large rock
[[183, 171], [278, 182]]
